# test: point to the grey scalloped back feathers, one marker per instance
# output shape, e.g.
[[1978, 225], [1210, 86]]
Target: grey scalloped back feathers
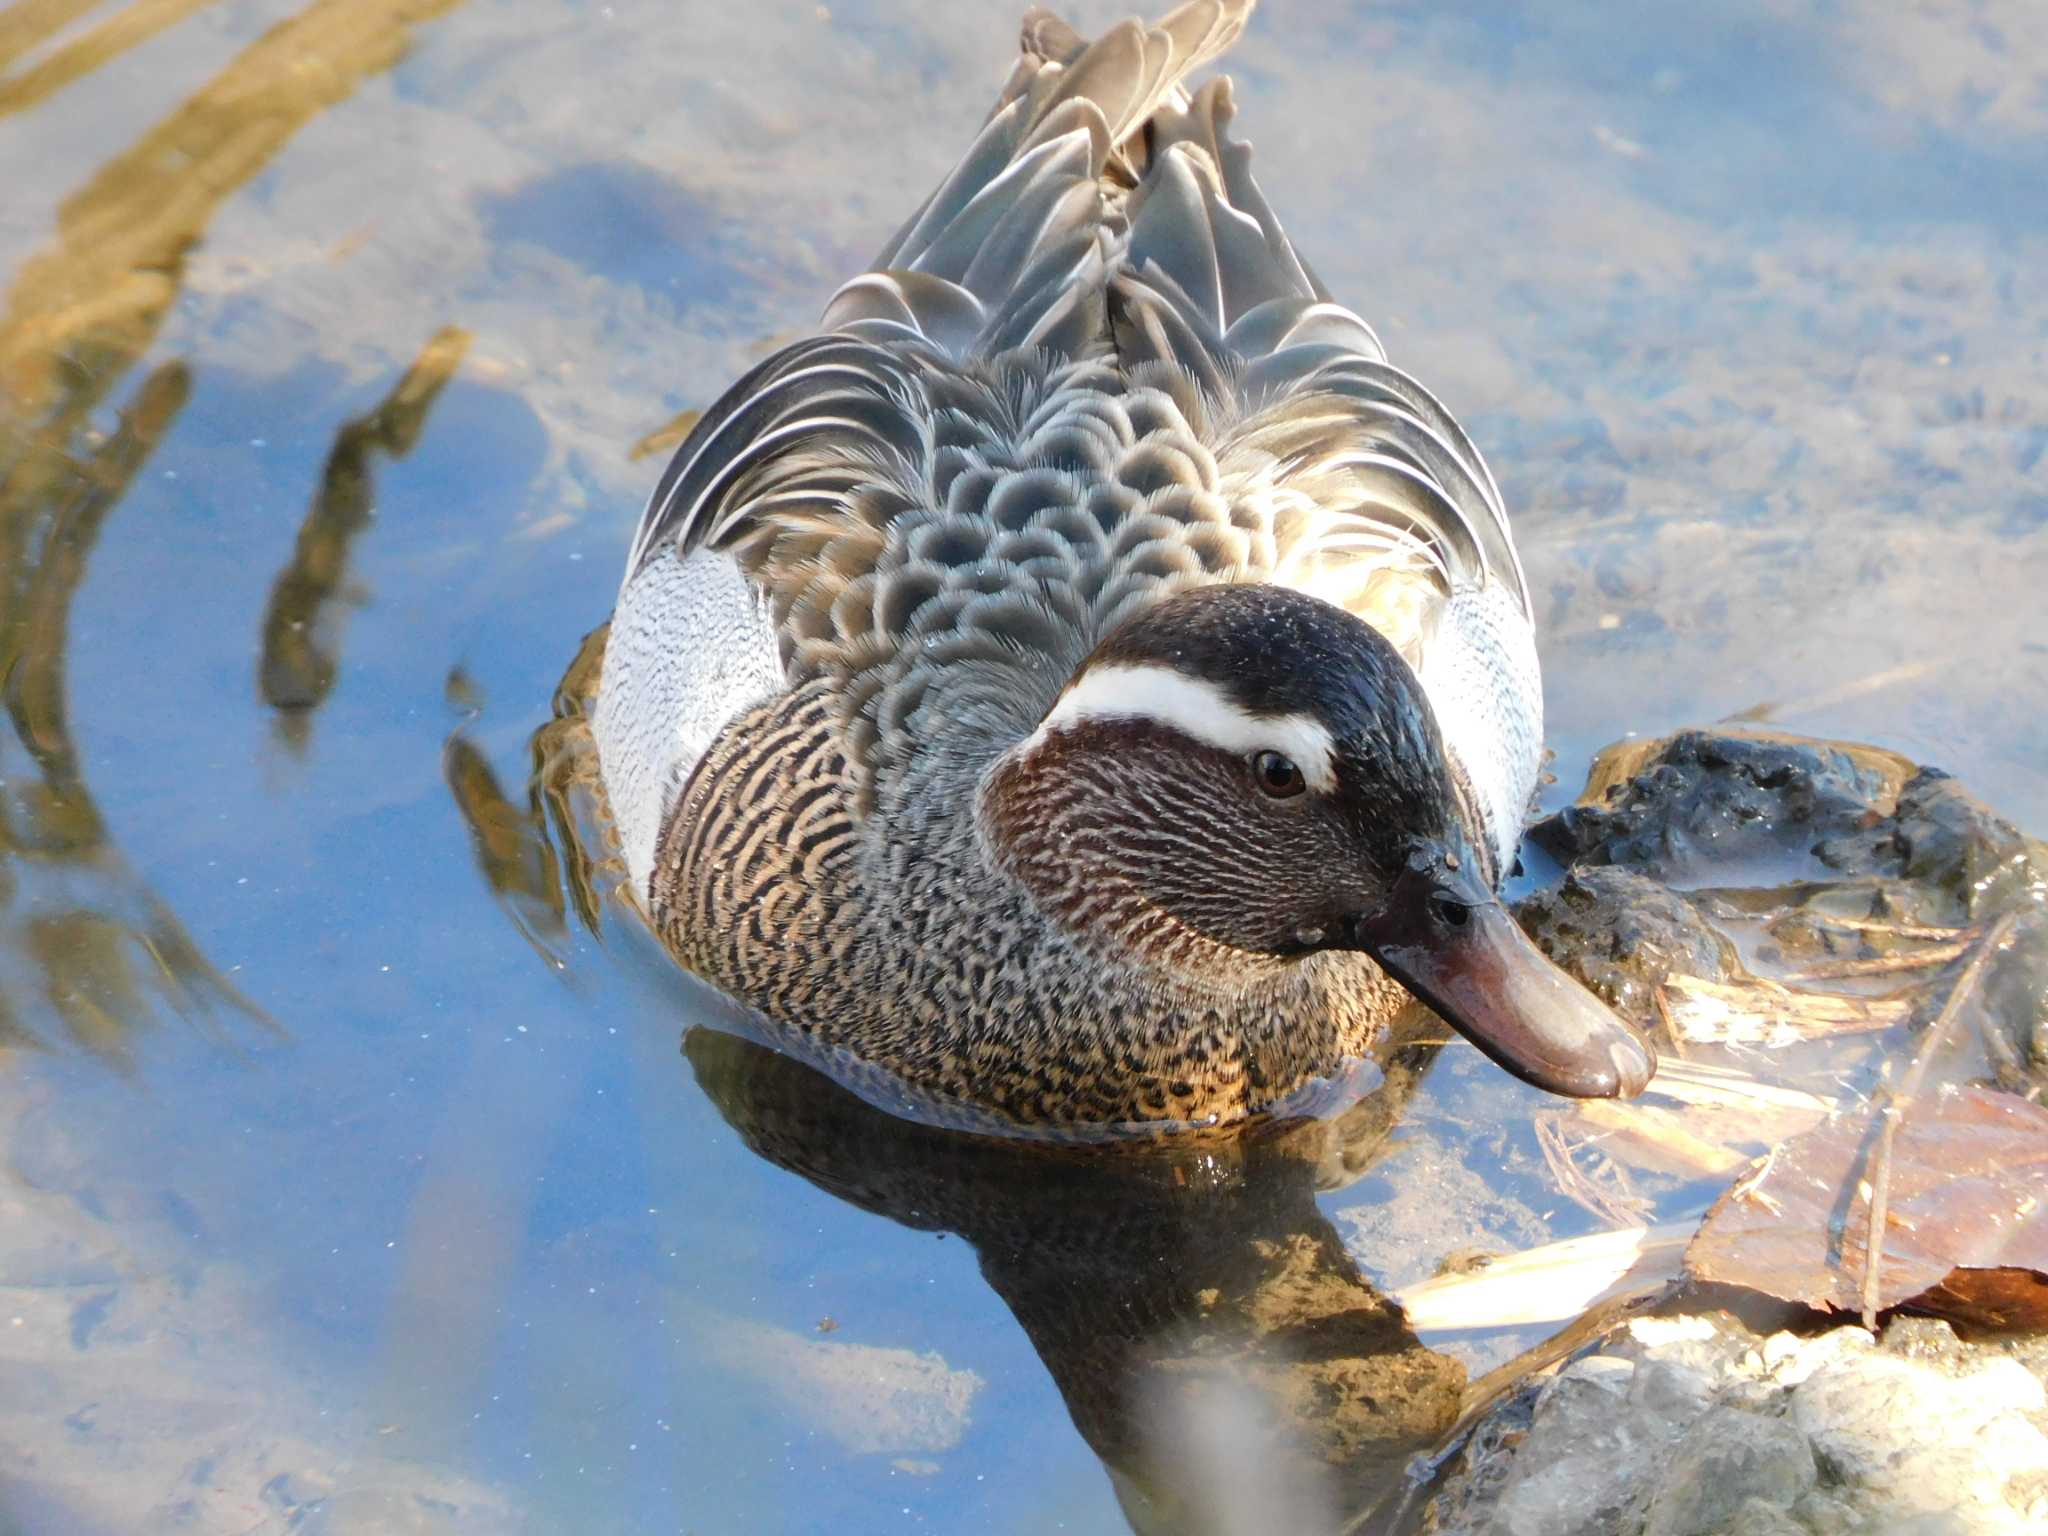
[[1089, 373]]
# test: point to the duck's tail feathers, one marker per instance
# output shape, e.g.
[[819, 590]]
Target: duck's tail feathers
[[1129, 72], [1206, 276], [1014, 248]]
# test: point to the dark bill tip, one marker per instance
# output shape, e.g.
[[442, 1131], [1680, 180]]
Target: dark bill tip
[[1473, 964]]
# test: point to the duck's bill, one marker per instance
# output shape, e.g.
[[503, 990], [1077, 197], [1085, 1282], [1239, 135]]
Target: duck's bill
[[1501, 992]]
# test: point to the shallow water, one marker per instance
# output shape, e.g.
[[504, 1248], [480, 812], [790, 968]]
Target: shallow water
[[349, 1182]]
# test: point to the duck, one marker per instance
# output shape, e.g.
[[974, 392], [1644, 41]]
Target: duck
[[1084, 681]]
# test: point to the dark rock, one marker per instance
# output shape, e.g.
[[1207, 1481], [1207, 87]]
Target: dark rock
[[1699, 804], [1945, 857], [2016, 1007], [1623, 934], [1964, 860], [1810, 839]]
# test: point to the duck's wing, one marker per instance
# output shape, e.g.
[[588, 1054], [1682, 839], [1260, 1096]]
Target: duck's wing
[[825, 473], [1011, 252]]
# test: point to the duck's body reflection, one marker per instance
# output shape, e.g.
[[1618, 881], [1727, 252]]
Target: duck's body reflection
[[1214, 1342]]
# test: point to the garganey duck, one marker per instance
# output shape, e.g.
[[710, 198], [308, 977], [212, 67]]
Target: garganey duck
[[1085, 680]]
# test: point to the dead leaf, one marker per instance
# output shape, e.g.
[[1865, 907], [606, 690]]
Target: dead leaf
[[1990, 1298], [1966, 1225]]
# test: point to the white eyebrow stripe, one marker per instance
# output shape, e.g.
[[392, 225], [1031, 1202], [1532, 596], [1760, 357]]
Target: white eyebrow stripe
[[1198, 709]]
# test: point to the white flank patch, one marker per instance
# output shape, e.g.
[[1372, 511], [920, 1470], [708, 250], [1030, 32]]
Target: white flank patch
[[692, 646], [1198, 709]]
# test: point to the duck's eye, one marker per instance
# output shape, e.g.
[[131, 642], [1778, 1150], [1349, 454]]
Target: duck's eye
[[1277, 775]]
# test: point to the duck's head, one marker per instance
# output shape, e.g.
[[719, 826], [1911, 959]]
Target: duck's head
[[1250, 771]]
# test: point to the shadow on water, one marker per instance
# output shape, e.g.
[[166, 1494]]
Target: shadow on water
[[85, 943], [1213, 1341]]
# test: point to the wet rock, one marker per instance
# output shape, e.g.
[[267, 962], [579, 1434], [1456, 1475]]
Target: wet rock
[[1913, 1440], [1698, 801], [1623, 934], [1582, 1464], [1947, 858], [1946, 838], [1816, 841], [1964, 861], [1687, 1426], [2016, 1007], [1731, 1461]]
